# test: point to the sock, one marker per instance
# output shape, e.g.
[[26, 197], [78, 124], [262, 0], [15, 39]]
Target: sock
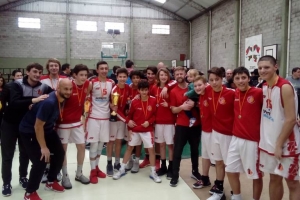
[[153, 169], [109, 160], [220, 185], [147, 156], [137, 159], [157, 157], [123, 165], [163, 163], [93, 164], [79, 170], [237, 196], [117, 160], [97, 159], [205, 179], [64, 170], [48, 166]]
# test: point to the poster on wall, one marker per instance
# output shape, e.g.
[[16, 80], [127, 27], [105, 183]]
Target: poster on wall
[[271, 50], [173, 63], [253, 49]]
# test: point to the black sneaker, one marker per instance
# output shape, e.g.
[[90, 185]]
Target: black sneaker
[[109, 170], [162, 171], [213, 189], [6, 190], [200, 184], [117, 166], [169, 174], [174, 182], [196, 175], [23, 182]]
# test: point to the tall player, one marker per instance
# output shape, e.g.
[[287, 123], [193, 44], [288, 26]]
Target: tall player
[[98, 118], [279, 134], [117, 129], [221, 101], [70, 127], [243, 153]]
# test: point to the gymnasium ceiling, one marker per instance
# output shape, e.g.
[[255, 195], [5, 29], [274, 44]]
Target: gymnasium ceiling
[[186, 9]]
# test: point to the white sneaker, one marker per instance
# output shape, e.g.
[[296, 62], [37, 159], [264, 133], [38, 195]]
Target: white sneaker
[[59, 177], [155, 178], [129, 164], [136, 166], [217, 196], [119, 174]]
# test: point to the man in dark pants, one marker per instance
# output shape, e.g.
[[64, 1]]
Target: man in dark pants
[[183, 133], [41, 140], [19, 95]]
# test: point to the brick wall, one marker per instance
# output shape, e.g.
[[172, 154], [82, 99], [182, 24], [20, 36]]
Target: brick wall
[[295, 35]]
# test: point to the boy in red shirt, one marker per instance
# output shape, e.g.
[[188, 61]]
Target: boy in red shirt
[[140, 120], [243, 154]]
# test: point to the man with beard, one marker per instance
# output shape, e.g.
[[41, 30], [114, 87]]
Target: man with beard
[[20, 94], [183, 133], [41, 140]]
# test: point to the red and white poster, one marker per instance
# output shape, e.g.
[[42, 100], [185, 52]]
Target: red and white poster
[[253, 49]]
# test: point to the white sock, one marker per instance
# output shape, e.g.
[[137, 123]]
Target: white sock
[[79, 170], [117, 160], [93, 164], [237, 196], [137, 159], [97, 159], [48, 166], [64, 170], [123, 165], [152, 169]]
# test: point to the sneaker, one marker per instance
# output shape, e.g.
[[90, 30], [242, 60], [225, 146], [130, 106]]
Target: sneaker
[[136, 167], [66, 183], [119, 174], [169, 174], [82, 179], [129, 165], [100, 174], [192, 121], [174, 182], [157, 164], [218, 196], [162, 171], [145, 163], [117, 166], [200, 184], [59, 177], [45, 176], [6, 190], [54, 186], [109, 170], [32, 196], [196, 175], [155, 178], [23, 182], [94, 176], [212, 189]]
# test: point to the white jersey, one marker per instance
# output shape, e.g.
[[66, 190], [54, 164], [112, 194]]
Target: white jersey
[[53, 83], [100, 96], [272, 121]]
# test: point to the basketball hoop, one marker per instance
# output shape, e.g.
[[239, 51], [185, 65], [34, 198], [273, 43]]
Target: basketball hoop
[[115, 57]]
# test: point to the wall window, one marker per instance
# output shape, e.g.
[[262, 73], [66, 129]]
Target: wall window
[[114, 26], [160, 29], [86, 26], [29, 22]]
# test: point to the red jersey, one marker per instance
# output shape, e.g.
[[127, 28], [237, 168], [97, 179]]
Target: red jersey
[[164, 115], [247, 114], [73, 107], [177, 98], [171, 84], [221, 106], [133, 91], [123, 98], [151, 85], [205, 113], [141, 111]]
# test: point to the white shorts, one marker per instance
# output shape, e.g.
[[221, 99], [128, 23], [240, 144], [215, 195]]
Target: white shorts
[[206, 145], [117, 130], [287, 167], [138, 138], [164, 133], [219, 146], [71, 135], [243, 156], [97, 130]]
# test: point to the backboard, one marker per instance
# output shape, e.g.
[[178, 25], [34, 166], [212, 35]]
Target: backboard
[[109, 49]]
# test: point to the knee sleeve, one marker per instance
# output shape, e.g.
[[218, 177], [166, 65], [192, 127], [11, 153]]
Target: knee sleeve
[[100, 147], [93, 150]]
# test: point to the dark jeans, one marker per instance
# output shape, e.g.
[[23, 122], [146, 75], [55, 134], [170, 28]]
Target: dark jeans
[[184, 134], [9, 136], [38, 166]]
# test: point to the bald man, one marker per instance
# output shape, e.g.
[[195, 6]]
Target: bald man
[[41, 141], [160, 65]]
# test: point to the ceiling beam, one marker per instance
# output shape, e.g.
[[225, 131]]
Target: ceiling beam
[[15, 4], [208, 9], [194, 4]]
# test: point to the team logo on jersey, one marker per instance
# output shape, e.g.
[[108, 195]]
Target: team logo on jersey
[[97, 88], [280, 167], [205, 103], [222, 101], [293, 170], [250, 99], [267, 111], [39, 92], [249, 171], [149, 108]]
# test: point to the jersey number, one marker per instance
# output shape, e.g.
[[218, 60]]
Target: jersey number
[[104, 92]]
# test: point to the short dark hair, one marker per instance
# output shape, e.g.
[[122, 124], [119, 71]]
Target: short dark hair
[[295, 69], [129, 63], [34, 65], [101, 62], [80, 67], [143, 84], [65, 66], [115, 69], [135, 73], [152, 69], [216, 71], [268, 58], [240, 70], [255, 72], [3, 81], [15, 71], [122, 71]]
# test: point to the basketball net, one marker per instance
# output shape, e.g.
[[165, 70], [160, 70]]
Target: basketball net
[[115, 57]]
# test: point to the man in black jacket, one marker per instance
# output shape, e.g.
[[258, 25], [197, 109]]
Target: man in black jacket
[[22, 94]]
